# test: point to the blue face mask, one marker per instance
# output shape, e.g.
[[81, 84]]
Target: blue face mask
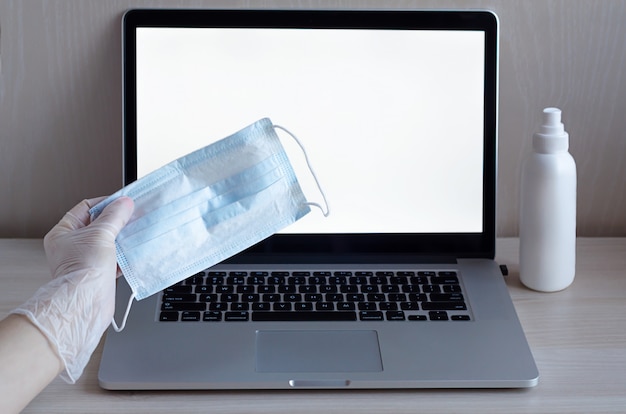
[[206, 207]]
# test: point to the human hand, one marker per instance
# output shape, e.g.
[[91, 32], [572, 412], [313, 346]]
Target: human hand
[[77, 306]]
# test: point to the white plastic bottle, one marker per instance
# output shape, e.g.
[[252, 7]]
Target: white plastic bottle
[[547, 225]]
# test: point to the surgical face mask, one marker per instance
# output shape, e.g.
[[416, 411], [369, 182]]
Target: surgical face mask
[[206, 207]]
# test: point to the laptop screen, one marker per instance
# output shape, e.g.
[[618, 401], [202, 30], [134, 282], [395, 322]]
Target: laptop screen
[[397, 114]]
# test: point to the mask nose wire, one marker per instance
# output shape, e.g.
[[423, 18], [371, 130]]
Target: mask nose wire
[[325, 211]]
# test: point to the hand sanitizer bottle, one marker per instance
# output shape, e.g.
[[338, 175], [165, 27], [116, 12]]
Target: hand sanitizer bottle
[[547, 227]]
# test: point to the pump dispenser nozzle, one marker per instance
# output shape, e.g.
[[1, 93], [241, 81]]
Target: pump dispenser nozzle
[[551, 136], [552, 121]]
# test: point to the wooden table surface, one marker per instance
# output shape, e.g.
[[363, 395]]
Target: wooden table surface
[[578, 338]]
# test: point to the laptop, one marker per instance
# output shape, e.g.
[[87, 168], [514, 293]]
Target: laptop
[[398, 287]]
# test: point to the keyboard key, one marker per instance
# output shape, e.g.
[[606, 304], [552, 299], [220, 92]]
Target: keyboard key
[[204, 289], [452, 288], [229, 297], [236, 316], [378, 280], [370, 289], [398, 280], [215, 279], [328, 289], [411, 289], [397, 297], [245, 289], [409, 306], [349, 289], [355, 297], [325, 306], [179, 297], [334, 297], [338, 280], [388, 306], [376, 297], [390, 288], [212, 316], [303, 306], [282, 306], [250, 297], [431, 289], [261, 306], [307, 289], [367, 306], [446, 297], [344, 306], [357, 280], [303, 316], [444, 280], [460, 317], [395, 315], [190, 316], [266, 289], [417, 318], [276, 280], [236, 278], [438, 316], [209, 297], [183, 306], [296, 280], [419, 280], [313, 297], [436, 306], [371, 315], [179, 289], [256, 280], [271, 297], [218, 306], [317, 280], [287, 289], [293, 297], [417, 297], [239, 306], [168, 316]]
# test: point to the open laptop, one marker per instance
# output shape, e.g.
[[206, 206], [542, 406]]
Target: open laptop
[[397, 288]]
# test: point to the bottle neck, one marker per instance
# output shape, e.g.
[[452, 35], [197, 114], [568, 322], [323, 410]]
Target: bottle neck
[[550, 144]]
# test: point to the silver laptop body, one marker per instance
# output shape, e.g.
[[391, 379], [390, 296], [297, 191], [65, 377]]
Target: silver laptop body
[[397, 288]]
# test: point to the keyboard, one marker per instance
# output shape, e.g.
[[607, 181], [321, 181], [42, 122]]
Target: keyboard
[[300, 296]]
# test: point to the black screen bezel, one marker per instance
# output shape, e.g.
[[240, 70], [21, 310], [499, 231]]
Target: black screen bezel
[[339, 247]]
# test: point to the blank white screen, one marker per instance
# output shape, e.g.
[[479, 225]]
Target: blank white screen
[[391, 120]]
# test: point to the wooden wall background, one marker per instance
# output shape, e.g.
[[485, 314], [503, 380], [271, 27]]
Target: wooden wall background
[[60, 116]]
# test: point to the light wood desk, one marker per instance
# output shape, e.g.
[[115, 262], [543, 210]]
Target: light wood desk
[[578, 338]]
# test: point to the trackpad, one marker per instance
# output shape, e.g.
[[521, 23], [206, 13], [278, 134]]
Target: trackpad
[[317, 351]]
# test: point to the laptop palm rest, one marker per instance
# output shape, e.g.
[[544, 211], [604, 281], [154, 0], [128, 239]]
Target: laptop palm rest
[[317, 351]]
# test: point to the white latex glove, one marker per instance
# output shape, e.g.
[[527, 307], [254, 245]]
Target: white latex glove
[[77, 306]]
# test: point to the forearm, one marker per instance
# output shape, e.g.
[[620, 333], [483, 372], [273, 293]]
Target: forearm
[[28, 363]]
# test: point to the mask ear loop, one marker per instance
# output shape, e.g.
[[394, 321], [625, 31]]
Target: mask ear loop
[[326, 211], [121, 328]]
